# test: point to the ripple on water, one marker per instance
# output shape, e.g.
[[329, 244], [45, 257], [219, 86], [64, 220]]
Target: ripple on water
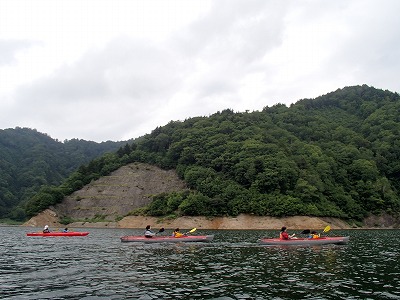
[[234, 266]]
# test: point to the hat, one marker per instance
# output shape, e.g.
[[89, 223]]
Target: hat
[[46, 226]]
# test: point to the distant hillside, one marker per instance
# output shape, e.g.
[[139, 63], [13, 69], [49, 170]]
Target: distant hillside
[[30, 159], [334, 156]]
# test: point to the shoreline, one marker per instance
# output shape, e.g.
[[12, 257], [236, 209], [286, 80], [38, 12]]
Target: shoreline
[[241, 222]]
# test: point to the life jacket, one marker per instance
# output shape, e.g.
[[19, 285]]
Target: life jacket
[[283, 236], [178, 234]]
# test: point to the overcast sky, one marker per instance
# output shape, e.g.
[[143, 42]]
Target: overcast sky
[[115, 70]]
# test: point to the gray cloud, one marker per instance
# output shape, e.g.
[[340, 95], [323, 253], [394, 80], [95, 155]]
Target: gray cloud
[[10, 47], [239, 55], [107, 90]]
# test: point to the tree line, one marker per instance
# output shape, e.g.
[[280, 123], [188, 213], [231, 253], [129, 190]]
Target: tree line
[[337, 155]]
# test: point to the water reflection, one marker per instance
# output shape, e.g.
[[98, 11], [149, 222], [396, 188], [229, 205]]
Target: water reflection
[[234, 266]]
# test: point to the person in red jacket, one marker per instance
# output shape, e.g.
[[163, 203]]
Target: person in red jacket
[[284, 235]]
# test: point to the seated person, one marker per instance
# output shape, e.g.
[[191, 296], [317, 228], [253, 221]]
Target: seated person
[[283, 235], [177, 233], [46, 229], [314, 235], [148, 232]]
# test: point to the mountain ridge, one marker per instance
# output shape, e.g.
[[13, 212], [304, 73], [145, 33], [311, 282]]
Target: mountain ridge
[[333, 156]]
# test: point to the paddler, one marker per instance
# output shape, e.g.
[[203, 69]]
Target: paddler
[[177, 233], [283, 235], [148, 232], [46, 229], [314, 235]]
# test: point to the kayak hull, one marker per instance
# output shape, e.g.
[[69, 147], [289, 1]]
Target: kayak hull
[[167, 239], [72, 233], [339, 240]]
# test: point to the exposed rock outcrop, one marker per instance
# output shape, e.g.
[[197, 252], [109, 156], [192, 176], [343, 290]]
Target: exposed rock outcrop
[[124, 190], [46, 217]]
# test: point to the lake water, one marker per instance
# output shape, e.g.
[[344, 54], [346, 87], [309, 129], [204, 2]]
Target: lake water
[[233, 266]]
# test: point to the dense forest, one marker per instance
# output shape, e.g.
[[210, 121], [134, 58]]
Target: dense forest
[[30, 160], [336, 155]]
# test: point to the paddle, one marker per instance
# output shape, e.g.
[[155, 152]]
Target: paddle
[[191, 231], [161, 230], [326, 229]]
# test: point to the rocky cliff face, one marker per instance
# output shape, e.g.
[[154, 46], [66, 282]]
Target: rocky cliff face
[[124, 190]]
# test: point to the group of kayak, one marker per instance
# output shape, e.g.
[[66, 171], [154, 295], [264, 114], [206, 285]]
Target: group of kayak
[[149, 236], [312, 238]]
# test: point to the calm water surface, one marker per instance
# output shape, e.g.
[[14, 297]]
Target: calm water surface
[[233, 266]]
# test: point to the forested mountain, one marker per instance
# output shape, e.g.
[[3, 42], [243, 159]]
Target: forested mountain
[[337, 155], [30, 159]]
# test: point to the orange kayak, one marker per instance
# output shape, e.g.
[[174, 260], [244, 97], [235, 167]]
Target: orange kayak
[[72, 233]]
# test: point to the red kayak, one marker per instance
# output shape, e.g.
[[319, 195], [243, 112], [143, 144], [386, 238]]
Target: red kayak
[[338, 240], [167, 239], [71, 233]]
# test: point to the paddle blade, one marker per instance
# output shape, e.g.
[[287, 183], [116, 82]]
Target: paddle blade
[[327, 228], [306, 231], [161, 229], [193, 230]]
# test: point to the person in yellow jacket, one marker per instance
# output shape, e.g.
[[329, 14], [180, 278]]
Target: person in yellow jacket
[[177, 233], [314, 235]]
